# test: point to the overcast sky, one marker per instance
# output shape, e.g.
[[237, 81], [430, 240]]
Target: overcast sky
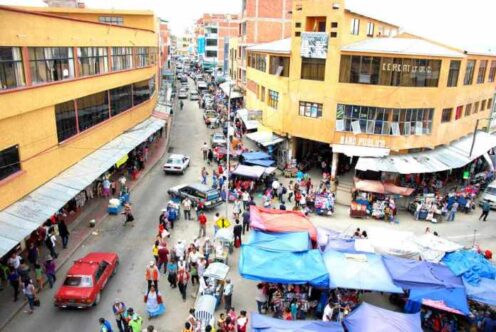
[[466, 24]]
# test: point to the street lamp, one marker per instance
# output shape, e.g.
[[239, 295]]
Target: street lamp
[[228, 148]]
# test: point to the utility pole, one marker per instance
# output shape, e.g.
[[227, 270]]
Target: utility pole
[[228, 148], [473, 138]]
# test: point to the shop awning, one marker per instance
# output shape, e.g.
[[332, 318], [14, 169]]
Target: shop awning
[[292, 242], [249, 124], [262, 323], [254, 172], [360, 151], [265, 138], [381, 188], [24, 216], [455, 155], [234, 92]]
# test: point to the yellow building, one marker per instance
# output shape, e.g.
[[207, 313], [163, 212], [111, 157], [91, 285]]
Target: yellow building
[[364, 88], [71, 81], [234, 60], [184, 45]]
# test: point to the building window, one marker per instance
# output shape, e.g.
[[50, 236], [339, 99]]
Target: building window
[[10, 162], [273, 99], [334, 24], [211, 42], [298, 34], [92, 110], [384, 121], [334, 34], [211, 54], [258, 62], [262, 94], [446, 115], [142, 57], [483, 105], [458, 112], [489, 103], [492, 71], [117, 20], [389, 71], [65, 117], [11, 69], [310, 110], [468, 109], [152, 52], [122, 58], [120, 99], [50, 64], [469, 72], [481, 76], [313, 69], [370, 29], [355, 26], [279, 65], [454, 72], [92, 60], [476, 107], [142, 91]]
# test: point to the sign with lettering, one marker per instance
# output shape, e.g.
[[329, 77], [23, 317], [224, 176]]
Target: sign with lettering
[[314, 45], [400, 68], [362, 141]]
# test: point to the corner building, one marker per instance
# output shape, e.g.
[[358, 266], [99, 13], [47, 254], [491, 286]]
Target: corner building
[[358, 85], [71, 81]]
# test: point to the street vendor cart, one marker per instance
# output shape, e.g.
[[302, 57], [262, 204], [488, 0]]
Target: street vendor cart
[[205, 311], [214, 276], [223, 245]]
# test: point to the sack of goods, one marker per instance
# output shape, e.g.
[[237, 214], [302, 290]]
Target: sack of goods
[[114, 203]]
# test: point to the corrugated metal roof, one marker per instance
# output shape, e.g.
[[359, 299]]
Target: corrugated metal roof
[[282, 46]]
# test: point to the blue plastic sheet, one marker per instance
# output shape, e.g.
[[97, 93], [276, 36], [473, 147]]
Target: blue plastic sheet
[[454, 298], [260, 323], [370, 274], [369, 318], [471, 265], [409, 273], [260, 162], [485, 292], [293, 242], [255, 155], [283, 267]]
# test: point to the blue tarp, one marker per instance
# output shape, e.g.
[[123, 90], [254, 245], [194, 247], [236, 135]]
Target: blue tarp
[[283, 267], [343, 245], [367, 318], [454, 298], [293, 242], [260, 162], [485, 292], [471, 265], [362, 271], [255, 155], [409, 273], [260, 323]]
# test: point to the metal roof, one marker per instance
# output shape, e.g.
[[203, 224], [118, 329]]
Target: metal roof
[[282, 46]]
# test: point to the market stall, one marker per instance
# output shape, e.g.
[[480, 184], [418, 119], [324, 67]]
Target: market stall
[[292, 242], [260, 323], [258, 158]]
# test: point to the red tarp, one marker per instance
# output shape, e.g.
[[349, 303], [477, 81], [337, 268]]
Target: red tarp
[[381, 188], [280, 221]]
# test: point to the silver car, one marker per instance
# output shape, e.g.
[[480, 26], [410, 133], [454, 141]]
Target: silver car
[[193, 95], [176, 163], [218, 139]]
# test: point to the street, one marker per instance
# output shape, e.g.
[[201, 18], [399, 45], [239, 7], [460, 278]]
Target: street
[[134, 244]]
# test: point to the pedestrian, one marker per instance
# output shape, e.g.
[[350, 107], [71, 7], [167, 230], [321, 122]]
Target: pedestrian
[[282, 206], [486, 207], [119, 309], [452, 212], [207, 249], [64, 233], [155, 251], [242, 321], [135, 321], [204, 149], [187, 327], [202, 221], [30, 293], [154, 303], [50, 242], [49, 268], [291, 190], [128, 213], [187, 208], [13, 278], [38, 274], [33, 253], [105, 325], [261, 297], [280, 193], [227, 294], [246, 221], [182, 282], [203, 174], [163, 257], [106, 187], [245, 197], [210, 156], [237, 207], [237, 231], [192, 319], [151, 275], [23, 271]]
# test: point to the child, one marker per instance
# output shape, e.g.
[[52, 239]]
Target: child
[[38, 272]]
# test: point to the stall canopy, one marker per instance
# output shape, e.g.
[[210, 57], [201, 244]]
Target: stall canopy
[[250, 125], [283, 267], [485, 292], [358, 271], [369, 318], [386, 241], [433, 248], [293, 242], [265, 137], [261, 323], [381, 188], [448, 299], [24, 216], [279, 221], [471, 265], [254, 172], [455, 155], [234, 92], [257, 158]]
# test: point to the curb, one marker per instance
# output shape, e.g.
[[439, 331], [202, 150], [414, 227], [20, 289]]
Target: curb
[[85, 237]]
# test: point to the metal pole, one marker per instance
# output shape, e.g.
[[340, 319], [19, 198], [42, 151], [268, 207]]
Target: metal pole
[[228, 143], [473, 138], [475, 234]]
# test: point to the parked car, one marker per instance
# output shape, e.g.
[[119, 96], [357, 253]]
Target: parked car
[[183, 94], [176, 163], [489, 195], [86, 279], [196, 192], [218, 139], [193, 95]]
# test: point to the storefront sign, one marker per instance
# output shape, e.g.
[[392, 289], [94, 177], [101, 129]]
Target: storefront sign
[[362, 141], [466, 175], [314, 45], [398, 67]]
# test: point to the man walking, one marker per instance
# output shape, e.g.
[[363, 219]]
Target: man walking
[[64, 233], [452, 212], [204, 150], [163, 257], [182, 282], [187, 208], [49, 267], [202, 220], [485, 210], [237, 231], [227, 295], [151, 275], [119, 309], [246, 221], [50, 242]]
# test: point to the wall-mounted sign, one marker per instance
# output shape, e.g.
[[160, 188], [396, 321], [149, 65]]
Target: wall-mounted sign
[[314, 45], [362, 141], [398, 67]]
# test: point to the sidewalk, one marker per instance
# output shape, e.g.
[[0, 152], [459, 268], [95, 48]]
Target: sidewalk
[[80, 231]]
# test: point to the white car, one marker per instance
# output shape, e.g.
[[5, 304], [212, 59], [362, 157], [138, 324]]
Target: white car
[[176, 163], [218, 139]]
